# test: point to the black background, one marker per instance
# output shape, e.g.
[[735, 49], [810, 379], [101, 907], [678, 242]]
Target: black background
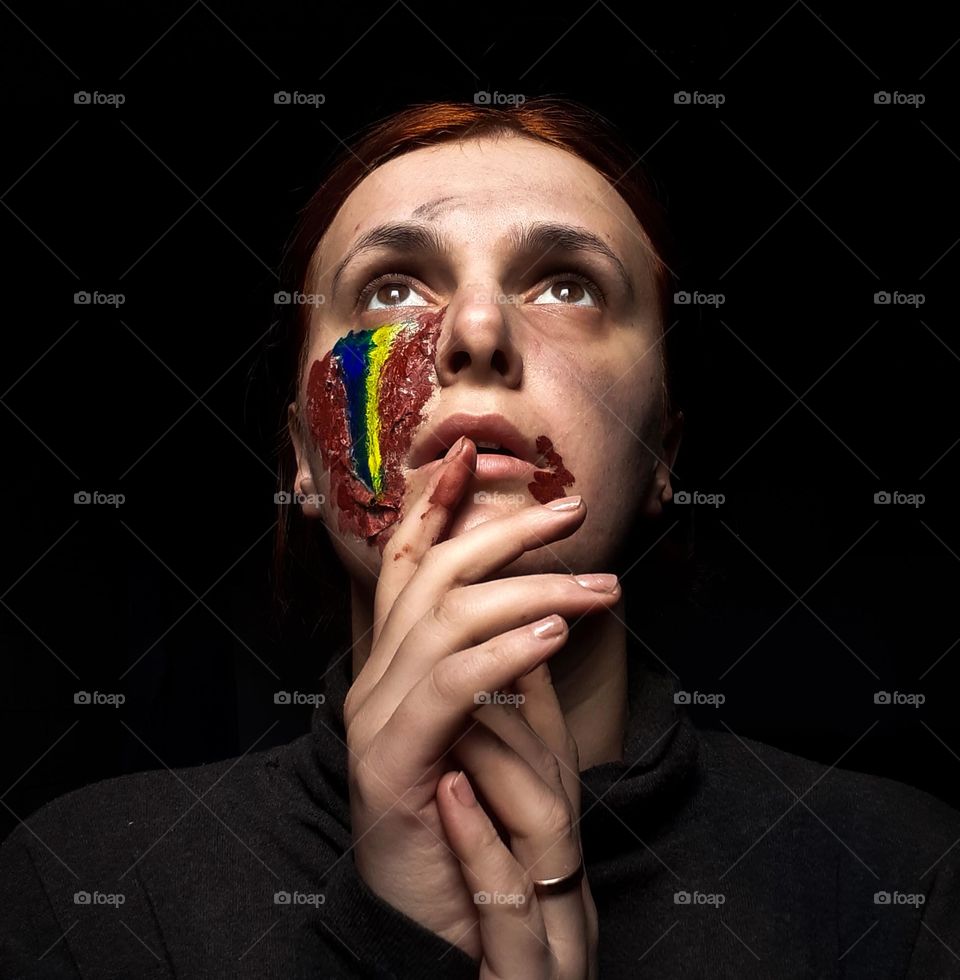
[[797, 199]]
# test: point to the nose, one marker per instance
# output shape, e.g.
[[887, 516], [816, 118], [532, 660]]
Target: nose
[[475, 344]]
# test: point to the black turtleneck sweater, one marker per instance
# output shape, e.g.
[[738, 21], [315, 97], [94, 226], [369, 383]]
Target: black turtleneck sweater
[[787, 865]]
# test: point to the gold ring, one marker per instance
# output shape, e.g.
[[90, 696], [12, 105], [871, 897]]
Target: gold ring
[[557, 886]]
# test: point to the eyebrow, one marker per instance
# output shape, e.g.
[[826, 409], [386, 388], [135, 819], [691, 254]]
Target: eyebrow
[[543, 237], [537, 239], [398, 235]]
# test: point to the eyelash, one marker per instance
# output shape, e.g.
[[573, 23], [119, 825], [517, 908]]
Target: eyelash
[[371, 287]]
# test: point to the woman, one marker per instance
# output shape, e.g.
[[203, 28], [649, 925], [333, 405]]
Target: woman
[[498, 781]]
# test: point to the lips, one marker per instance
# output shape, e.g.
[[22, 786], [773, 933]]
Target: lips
[[520, 456]]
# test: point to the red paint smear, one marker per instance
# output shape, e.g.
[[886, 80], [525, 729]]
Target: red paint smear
[[550, 486], [409, 378]]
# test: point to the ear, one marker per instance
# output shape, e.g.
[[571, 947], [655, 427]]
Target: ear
[[303, 483], [661, 490]]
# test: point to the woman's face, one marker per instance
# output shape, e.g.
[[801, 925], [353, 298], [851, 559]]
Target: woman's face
[[482, 301]]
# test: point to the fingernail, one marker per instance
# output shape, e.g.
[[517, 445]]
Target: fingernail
[[455, 449], [462, 790], [598, 583], [566, 503], [549, 627]]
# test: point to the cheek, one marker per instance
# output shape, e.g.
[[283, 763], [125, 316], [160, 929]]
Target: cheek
[[605, 405], [365, 400]]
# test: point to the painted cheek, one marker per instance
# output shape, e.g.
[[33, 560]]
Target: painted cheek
[[549, 483], [365, 401]]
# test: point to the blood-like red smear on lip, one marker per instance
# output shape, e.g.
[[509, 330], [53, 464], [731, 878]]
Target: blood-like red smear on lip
[[549, 483], [408, 380]]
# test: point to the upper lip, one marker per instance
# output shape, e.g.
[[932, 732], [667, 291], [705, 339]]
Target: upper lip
[[485, 428]]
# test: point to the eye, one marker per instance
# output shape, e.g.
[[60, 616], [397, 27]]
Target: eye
[[387, 292], [573, 291]]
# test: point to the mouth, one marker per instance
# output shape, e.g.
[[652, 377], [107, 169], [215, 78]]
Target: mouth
[[502, 450]]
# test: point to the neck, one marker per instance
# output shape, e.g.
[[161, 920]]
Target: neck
[[589, 674]]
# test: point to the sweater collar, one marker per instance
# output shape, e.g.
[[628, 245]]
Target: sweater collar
[[660, 755]]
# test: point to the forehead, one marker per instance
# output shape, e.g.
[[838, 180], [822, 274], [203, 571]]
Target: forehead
[[478, 189]]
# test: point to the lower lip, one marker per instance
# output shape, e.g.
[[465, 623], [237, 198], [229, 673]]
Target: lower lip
[[492, 466]]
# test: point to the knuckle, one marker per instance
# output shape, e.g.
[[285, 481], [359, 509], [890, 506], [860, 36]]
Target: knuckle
[[558, 820], [447, 613], [444, 679]]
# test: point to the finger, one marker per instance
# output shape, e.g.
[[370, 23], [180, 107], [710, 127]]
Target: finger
[[469, 558], [510, 721], [413, 740], [422, 526], [531, 805], [539, 704], [512, 930], [473, 614]]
